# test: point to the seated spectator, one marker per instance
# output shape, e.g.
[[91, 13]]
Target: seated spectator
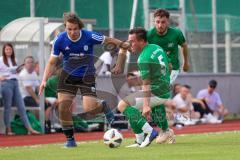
[[29, 82], [29, 86], [176, 89], [213, 100], [10, 89], [105, 62], [133, 84], [184, 107]]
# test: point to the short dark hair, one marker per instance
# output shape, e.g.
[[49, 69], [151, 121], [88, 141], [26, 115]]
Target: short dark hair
[[31, 57], [141, 33], [213, 83], [161, 13], [72, 18], [186, 86]]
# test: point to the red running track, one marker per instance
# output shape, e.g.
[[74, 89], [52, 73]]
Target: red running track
[[9, 141]]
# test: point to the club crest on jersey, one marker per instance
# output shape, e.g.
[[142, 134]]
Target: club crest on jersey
[[85, 47], [170, 44], [93, 89]]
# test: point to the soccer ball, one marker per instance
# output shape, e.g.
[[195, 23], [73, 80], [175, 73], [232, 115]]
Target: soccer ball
[[113, 138]]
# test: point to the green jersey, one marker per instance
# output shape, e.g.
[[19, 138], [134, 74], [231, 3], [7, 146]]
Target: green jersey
[[153, 65], [169, 42]]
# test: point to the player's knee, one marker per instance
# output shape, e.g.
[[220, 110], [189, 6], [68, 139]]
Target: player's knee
[[64, 106]]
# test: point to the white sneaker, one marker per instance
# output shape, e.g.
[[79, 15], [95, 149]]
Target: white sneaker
[[180, 119], [190, 122], [167, 136], [203, 120], [212, 120]]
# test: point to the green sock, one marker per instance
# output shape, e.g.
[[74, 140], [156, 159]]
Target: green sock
[[159, 117], [135, 118]]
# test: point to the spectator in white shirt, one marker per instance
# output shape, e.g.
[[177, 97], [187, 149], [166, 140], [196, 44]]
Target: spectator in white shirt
[[106, 61], [10, 89], [29, 86], [29, 82], [183, 102]]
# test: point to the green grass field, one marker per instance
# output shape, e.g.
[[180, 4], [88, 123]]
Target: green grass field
[[222, 146]]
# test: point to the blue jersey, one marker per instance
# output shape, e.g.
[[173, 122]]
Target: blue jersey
[[78, 59]]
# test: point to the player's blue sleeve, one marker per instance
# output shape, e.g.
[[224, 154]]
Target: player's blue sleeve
[[56, 47], [96, 38]]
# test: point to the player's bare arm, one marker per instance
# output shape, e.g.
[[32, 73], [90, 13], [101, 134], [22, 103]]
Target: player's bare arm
[[124, 46], [146, 100], [121, 59], [185, 57], [117, 42], [47, 72]]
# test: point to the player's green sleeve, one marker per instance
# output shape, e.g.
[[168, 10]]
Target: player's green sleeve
[[181, 38]]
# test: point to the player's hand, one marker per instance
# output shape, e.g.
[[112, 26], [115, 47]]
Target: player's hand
[[185, 66], [146, 111], [125, 45], [41, 88]]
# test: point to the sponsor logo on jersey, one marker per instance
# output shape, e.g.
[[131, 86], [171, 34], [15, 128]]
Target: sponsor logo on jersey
[[67, 48], [76, 54], [85, 47]]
